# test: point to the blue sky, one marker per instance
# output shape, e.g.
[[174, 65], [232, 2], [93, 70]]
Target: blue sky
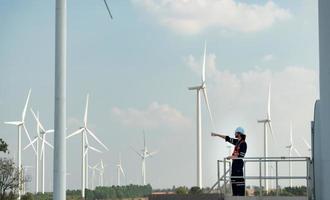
[[138, 66]]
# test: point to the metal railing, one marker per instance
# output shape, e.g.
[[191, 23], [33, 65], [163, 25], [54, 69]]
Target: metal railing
[[224, 173]]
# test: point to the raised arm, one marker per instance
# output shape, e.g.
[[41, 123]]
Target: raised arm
[[218, 135]]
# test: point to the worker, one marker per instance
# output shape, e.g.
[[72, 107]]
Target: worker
[[237, 180]]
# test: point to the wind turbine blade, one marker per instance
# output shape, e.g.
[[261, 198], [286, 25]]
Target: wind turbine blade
[[95, 149], [51, 146], [16, 123], [297, 152], [38, 121], [86, 139], [122, 171], [139, 154], [153, 153], [291, 133], [75, 133], [144, 140], [31, 143], [269, 101], [108, 9], [86, 151], [306, 143], [271, 131], [208, 107], [94, 136], [204, 61], [102, 166], [86, 111], [25, 107], [28, 135], [49, 131]]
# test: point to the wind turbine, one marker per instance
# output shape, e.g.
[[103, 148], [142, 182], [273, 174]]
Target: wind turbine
[[267, 123], [291, 147], [84, 131], [119, 170], [19, 125], [198, 89], [94, 168], [144, 155], [42, 136], [101, 170]]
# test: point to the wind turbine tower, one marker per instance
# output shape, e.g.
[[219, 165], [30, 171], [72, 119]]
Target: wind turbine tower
[[198, 89], [267, 123]]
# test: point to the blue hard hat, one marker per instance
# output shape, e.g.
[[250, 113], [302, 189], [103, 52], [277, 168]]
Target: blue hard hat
[[240, 130]]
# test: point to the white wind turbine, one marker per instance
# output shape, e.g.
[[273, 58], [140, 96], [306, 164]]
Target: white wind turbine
[[37, 158], [199, 120], [291, 147], [267, 123], [84, 131], [144, 155], [120, 171], [41, 136], [101, 170], [19, 125], [94, 169]]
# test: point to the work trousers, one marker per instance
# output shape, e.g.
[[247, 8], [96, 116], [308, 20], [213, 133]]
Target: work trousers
[[237, 184]]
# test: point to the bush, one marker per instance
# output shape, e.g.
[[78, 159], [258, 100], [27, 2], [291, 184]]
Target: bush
[[27, 196], [195, 190], [182, 190]]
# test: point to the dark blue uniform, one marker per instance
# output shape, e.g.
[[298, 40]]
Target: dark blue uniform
[[238, 184]]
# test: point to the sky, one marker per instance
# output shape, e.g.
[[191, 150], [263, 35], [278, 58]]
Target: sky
[[137, 69]]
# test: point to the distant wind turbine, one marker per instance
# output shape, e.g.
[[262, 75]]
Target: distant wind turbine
[[120, 170], [291, 147], [42, 137], [267, 123], [84, 131], [94, 169], [144, 155], [200, 88], [19, 125]]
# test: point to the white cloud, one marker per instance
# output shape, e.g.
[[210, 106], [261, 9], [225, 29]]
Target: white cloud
[[194, 16], [268, 57], [240, 99], [154, 116]]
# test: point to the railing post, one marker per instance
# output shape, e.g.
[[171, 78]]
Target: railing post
[[224, 177], [308, 179], [218, 167], [244, 176], [276, 182], [260, 184]]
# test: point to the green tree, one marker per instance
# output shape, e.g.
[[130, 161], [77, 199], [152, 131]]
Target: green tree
[[3, 146], [9, 178], [181, 190], [195, 190]]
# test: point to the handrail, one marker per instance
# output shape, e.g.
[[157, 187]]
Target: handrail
[[225, 177]]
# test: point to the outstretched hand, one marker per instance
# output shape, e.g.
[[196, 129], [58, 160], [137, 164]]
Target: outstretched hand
[[214, 134]]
